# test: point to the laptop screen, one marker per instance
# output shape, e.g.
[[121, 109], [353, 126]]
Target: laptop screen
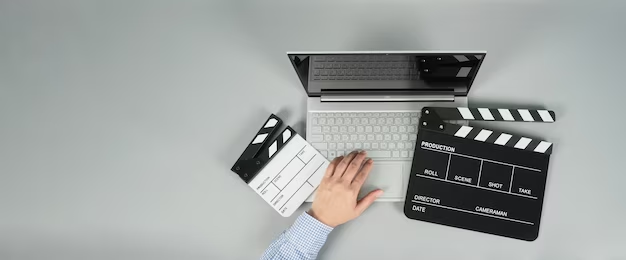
[[386, 73]]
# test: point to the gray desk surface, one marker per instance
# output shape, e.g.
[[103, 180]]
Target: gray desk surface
[[119, 121]]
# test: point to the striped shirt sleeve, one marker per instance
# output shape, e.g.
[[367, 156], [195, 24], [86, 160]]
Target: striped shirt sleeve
[[303, 240]]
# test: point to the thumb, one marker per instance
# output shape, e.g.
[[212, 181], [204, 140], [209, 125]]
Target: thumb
[[366, 201]]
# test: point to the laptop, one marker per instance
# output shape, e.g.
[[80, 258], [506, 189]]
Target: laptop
[[372, 101]]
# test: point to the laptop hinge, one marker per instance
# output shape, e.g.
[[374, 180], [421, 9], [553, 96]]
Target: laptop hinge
[[384, 98]]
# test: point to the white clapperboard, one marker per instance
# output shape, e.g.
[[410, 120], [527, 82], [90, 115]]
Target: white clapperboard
[[283, 170], [479, 179]]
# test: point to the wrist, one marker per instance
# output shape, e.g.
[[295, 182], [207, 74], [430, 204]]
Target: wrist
[[312, 213]]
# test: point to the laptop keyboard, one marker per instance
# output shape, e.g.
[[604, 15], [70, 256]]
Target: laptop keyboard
[[364, 67], [384, 135]]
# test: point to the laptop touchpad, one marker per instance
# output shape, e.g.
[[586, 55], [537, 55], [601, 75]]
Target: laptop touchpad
[[387, 176]]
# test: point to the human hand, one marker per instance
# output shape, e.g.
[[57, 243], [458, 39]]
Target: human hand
[[336, 202]]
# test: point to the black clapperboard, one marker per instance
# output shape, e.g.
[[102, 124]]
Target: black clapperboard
[[479, 179], [283, 169]]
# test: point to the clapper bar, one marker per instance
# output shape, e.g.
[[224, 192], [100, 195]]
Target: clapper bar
[[262, 148], [433, 119]]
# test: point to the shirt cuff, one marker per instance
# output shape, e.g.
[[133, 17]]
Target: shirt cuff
[[308, 233]]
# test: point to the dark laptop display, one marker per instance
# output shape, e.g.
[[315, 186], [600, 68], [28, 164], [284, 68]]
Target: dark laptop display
[[379, 73]]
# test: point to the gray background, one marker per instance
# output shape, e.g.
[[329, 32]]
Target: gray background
[[119, 121]]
